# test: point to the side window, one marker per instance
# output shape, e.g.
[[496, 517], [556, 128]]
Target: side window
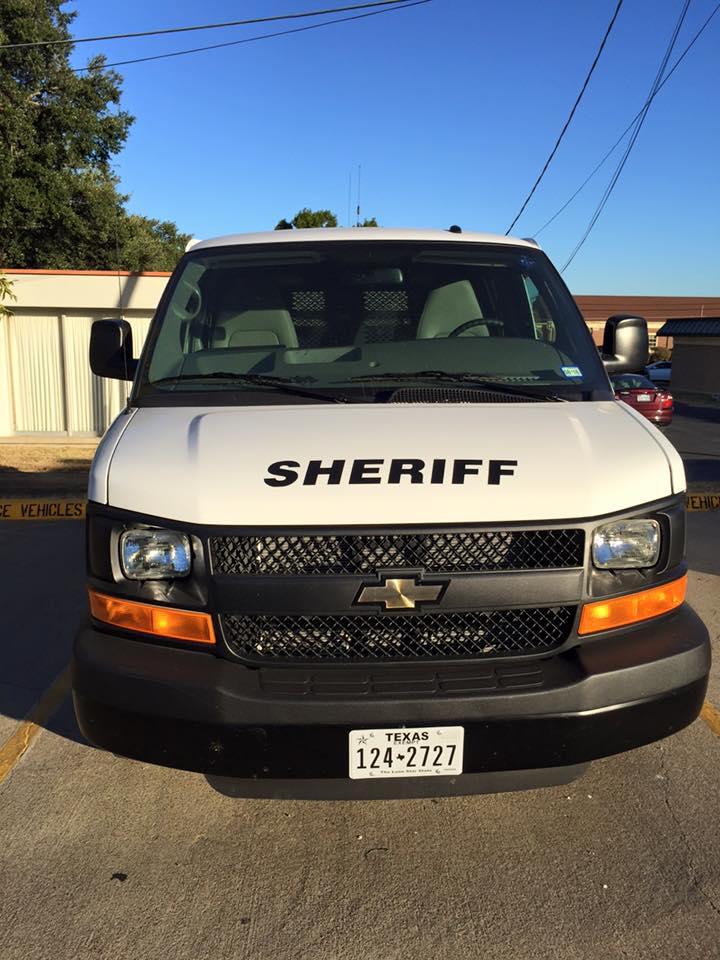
[[542, 318]]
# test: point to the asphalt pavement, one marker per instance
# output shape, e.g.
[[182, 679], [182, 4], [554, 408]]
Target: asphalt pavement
[[102, 857]]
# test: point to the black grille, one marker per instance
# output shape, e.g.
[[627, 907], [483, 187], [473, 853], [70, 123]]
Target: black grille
[[449, 552], [485, 633]]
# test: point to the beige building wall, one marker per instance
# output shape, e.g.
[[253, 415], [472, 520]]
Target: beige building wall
[[46, 386], [696, 366], [6, 423]]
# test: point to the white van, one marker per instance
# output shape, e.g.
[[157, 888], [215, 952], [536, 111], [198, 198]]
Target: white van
[[373, 524]]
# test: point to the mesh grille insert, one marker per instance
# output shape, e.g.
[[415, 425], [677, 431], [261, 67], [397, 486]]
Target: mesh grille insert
[[441, 394], [308, 300], [447, 551], [391, 301], [398, 636]]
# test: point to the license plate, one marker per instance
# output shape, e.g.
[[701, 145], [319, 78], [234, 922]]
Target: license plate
[[406, 752], [644, 397]]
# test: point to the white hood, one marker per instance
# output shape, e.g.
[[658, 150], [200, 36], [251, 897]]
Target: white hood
[[210, 465]]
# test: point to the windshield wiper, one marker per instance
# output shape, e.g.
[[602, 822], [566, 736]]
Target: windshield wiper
[[283, 384], [466, 379]]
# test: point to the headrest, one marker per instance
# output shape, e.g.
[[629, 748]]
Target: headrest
[[447, 308], [255, 328]]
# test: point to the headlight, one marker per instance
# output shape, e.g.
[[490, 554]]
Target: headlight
[[155, 554], [626, 543]]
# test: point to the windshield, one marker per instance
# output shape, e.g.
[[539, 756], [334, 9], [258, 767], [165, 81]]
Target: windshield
[[352, 319]]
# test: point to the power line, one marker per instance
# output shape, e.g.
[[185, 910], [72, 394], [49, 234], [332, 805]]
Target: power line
[[262, 36], [570, 116], [636, 132], [202, 26], [628, 128]]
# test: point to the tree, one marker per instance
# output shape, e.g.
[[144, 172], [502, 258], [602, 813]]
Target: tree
[[59, 130], [150, 244], [317, 218], [309, 218]]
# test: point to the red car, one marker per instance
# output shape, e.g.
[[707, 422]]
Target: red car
[[646, 397]]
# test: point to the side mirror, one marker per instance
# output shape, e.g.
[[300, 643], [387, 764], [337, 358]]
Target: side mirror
[[625, 344], [111, 350]]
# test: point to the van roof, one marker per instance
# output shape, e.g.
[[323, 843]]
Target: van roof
[[359, 233]]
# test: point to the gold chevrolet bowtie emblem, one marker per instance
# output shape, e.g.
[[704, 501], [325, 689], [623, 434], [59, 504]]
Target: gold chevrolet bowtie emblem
[[399, 593]]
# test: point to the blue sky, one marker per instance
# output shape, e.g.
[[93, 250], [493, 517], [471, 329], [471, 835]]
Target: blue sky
[[451, 108]]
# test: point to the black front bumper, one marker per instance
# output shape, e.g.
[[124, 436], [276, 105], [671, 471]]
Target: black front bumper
[[197, 712]]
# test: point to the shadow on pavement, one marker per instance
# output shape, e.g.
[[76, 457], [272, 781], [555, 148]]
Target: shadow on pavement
[[703, 537], [70, 479], [63, 723], [704, 470], [43, 568]]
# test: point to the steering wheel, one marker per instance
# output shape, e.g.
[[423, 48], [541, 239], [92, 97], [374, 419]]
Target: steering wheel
[[470, 324]]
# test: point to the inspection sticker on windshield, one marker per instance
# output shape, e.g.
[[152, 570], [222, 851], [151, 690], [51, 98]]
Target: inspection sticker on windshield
[[571, 371], [406, 752]]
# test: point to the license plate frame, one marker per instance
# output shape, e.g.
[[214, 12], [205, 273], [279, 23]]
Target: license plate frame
[[406, 752]]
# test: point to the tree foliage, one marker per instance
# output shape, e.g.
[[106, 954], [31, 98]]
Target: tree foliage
[[317, 218], [660, 353], [59, 130], [6, 293], [309, 218]]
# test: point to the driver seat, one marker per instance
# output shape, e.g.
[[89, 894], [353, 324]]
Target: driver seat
[[448, 308]]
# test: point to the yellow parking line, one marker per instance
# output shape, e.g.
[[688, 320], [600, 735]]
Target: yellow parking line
[[13, 748], [711, 716]]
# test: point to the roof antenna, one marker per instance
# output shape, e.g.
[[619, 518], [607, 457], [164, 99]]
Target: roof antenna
[[117, 266], [349, 208], [454, 229], [357, 222], [120, 299]]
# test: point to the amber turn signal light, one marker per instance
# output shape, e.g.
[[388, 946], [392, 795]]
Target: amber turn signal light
[[147, 618], [620, 611]]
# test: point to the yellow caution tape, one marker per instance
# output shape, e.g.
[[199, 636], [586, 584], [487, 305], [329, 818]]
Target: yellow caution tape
[[42, 509]]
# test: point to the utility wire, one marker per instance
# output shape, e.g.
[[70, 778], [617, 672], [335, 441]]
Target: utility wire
[[638, 127], [202, 26], [628, 128], [570, 116], [262, 36]]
